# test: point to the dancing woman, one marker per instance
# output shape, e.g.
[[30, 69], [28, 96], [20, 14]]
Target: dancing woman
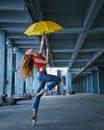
[[30, 59]]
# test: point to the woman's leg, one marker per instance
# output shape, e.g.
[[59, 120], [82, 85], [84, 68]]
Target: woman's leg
[[43, 78], [54, 80], [37, 98], [34, 118], [36, 104]]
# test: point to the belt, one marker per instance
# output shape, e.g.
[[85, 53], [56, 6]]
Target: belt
[[41, 72]]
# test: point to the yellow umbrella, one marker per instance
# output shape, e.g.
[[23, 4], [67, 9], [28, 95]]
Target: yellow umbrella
[[42, 26]]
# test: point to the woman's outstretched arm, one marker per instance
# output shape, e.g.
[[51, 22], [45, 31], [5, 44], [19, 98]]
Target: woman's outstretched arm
[[42, 43], [47, 55]]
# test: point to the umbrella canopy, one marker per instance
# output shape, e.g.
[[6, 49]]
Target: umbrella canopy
[[42, 26]]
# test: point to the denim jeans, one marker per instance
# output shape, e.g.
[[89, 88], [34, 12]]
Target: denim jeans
[[43, 79]]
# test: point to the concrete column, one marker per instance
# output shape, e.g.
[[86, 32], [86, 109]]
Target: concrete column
[[95, 81], [29, 85], [9, 70], [84, 85], [68, 81], [2, 61], [76, 86], [81, 84], [62, 85], [13, 73], [19, 82], [59, 85], [89, 84], [101, 79]]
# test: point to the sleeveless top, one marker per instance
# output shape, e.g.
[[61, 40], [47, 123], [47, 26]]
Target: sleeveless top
[[38, 65]]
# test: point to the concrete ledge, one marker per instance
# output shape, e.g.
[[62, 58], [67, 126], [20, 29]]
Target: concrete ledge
[[15, 99]]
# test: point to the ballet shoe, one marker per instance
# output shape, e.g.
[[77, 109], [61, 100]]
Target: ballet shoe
[[34, 120]]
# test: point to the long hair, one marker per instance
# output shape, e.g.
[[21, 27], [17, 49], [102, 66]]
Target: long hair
[[27, 66]]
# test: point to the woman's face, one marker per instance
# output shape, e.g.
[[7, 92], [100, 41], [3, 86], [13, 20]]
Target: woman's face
[[30, 52]]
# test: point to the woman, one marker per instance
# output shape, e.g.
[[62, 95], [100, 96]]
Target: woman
[[30, 59]]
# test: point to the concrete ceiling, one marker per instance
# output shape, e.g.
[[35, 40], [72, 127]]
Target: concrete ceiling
[[76, 47]]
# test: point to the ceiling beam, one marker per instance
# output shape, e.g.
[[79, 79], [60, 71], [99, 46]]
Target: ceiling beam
[[61, 60], [24, 46], [70, 30], [14, 17], [94, 8], [27, 41], [92, 60], [91, 50], [20, 35], [12, 5], [82, 50], [62, 50], [78, 30], [97, 30]]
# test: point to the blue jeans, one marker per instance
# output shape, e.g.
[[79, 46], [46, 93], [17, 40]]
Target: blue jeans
[[43, 78]]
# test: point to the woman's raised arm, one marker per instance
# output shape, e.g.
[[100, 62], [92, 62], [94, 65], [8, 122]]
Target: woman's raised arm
[[42, 43]]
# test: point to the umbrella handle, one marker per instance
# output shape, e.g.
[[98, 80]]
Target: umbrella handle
[[44, 33]]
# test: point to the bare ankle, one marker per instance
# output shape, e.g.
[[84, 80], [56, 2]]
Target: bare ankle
[[34, 114], [41, 92]]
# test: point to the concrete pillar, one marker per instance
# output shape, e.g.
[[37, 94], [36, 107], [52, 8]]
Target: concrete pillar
[[14, 70], [89, 84], [84, 85], [101, 79], [62, 85], [81, 84], [29, 85], [95, 81], [68, 81], [19, 82], [9, 70], [59, 85], [76, 86], [2, 61]]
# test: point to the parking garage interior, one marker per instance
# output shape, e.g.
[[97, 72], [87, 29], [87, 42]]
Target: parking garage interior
[[76, 52]]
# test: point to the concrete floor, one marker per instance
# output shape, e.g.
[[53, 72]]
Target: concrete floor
[[70, 112]]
